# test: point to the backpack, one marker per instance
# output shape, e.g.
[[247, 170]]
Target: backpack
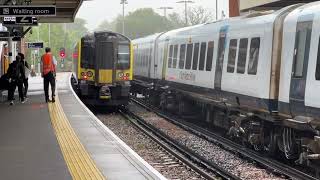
[[14, 70]]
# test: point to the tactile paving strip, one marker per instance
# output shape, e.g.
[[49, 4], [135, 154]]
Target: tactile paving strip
[[79, 162]]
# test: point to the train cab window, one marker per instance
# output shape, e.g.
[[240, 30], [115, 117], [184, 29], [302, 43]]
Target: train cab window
[[209, 56], [242, 56], [318, 63], [254, 56], [182, 56], [232, 55], [189, 56], [123, 56], [195, 56], [170, 56], [175, 56], [202, 56], [87, 54]]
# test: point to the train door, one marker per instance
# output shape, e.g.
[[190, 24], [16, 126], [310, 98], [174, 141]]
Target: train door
[[156, 58], [220, 57], [165, 58], [300, 65], [106, 59]]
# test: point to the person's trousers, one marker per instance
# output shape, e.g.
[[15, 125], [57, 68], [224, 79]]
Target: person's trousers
[[26, 85], [49, 79], [12, 89]]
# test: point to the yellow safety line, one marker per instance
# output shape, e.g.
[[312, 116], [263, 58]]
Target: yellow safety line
[[79, 163]]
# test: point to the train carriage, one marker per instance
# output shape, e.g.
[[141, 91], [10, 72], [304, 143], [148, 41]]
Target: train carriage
[[103, 68], [257, 76]]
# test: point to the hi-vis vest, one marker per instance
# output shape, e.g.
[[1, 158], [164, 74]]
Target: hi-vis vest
[[47, 63]]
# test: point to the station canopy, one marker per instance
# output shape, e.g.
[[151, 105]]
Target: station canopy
[[246, 5], [66, 10]]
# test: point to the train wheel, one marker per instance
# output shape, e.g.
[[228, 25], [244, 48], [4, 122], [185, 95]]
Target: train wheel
[[271, 143], [289, 143]]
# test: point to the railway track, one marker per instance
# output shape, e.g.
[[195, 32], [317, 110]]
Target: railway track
[[186, 156], [273, 165]]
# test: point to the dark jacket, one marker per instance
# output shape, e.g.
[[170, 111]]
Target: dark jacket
[[26, 64], [16, 70], [4, 82]]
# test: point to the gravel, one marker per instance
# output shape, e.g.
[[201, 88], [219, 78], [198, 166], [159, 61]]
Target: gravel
[[234, 164], [150, 151]]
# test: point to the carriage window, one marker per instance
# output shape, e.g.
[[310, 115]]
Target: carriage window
[[170, 56], [202, 55], [189, 56], [318, 63], [302, 48], [182, 56], [254, 56], [209, 56], [195, 56], [175, 56], [242, 56], [232, 55]]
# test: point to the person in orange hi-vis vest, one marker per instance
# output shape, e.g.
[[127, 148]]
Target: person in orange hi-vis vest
[[48, 72]]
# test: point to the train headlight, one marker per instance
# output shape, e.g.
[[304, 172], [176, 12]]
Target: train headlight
[[121, 74], [127, 75]]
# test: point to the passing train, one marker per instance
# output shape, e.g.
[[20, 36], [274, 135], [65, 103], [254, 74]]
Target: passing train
[[102, 69], [256, 76]]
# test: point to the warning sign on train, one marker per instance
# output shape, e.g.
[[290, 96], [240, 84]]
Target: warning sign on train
[[21, 11]]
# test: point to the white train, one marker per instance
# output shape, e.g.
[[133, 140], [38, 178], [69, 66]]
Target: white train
[[258, 76]]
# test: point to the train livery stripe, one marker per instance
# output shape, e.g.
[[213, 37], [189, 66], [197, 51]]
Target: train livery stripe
[[79, 163]]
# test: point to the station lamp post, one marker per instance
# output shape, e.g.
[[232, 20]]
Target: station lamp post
[[123, 2], [186, 8], [165, 10]]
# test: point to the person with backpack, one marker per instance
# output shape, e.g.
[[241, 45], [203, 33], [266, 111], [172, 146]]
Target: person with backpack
[[16, 74], [48, 72], [27, 73]]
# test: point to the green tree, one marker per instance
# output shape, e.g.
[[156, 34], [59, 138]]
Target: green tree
[[196, 15], [62, 35], [142, 22], [199, 15], [106, 26]]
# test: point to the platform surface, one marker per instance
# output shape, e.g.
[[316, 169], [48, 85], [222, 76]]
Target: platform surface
[[31, 148], [28, 145]]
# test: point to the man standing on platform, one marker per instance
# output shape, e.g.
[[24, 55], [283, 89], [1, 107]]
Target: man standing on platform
[[48, 72]]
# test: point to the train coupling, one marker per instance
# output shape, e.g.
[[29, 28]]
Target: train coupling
[[105, 93]]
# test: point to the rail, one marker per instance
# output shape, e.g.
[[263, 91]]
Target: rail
[[267, 162], [172, 146]]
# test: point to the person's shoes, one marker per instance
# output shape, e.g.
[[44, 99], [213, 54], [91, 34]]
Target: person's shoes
[[47, 100], [11, 103], [53, 100], [23, 101]]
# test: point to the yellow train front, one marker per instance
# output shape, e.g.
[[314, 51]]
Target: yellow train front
[[103, 69]]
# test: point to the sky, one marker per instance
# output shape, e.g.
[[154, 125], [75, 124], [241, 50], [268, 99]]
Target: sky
[[95, 11]]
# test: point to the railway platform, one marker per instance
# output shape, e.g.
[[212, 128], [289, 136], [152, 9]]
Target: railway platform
[[62, 140]]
